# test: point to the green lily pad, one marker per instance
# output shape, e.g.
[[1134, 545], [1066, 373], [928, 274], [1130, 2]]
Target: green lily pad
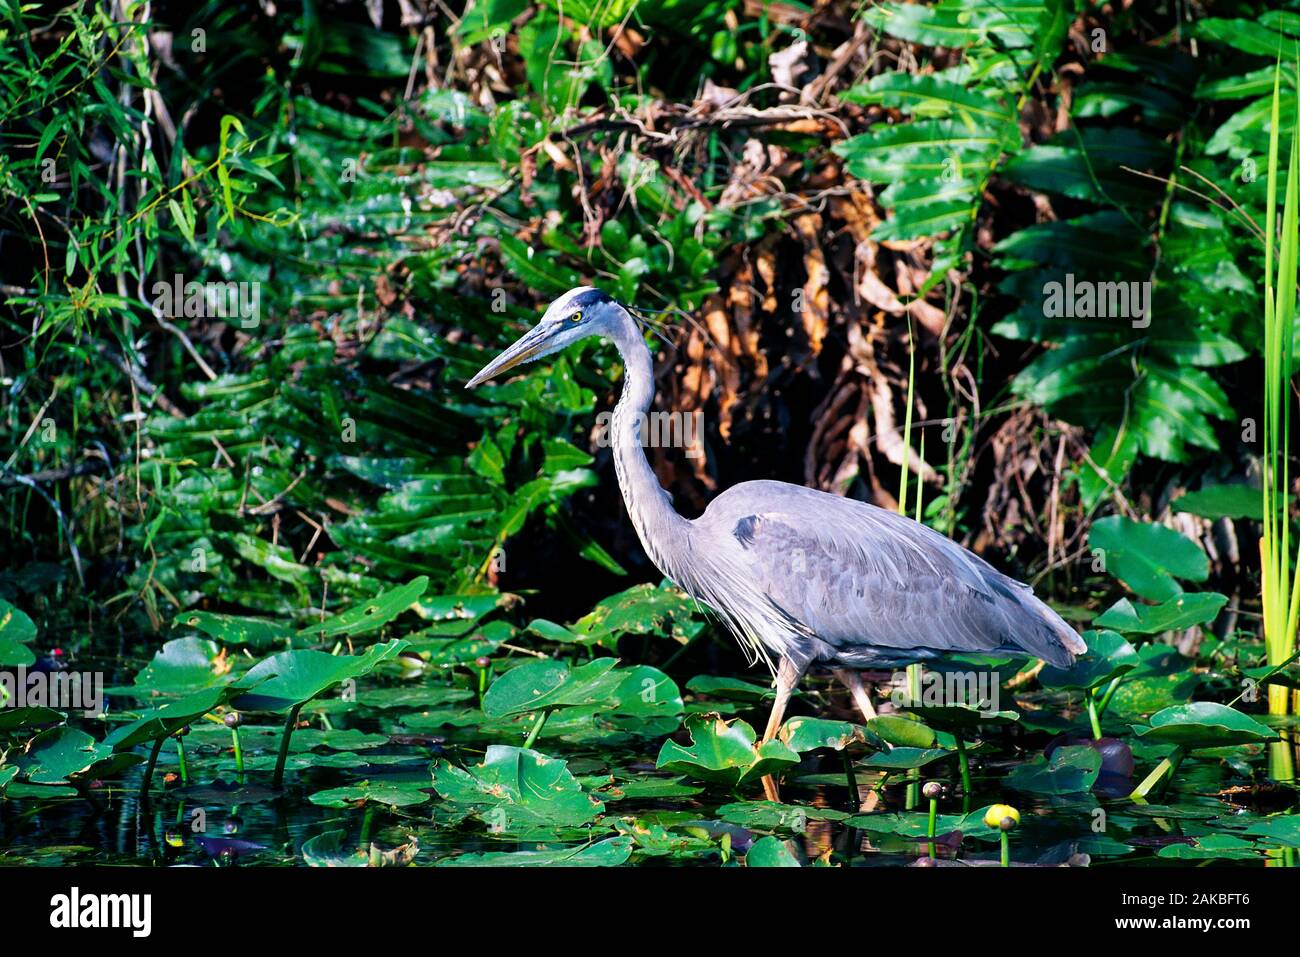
[[1183, 611], [650, 789], [1070, 770], [906, 731], [328, 850], [916, 824], [7, 773], [550, 631], [731, 689], [808, 734], [960, 717], [904, 758], [291, 678], [611, 852], [166, 720], [654, 840], [1204, 724], [237, 629], [515, 786], [68, 754], [12, 719], [640, 610], [369, 615], [548, 683], [354, 795], [770, 816], [1211, 847], [16, 629], [1283, 829], [723, 752], [770, 852], [1109, 655], [183, 666], [1148, 557]]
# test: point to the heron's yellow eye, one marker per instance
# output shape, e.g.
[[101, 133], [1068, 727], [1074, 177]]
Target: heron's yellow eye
[[576, 316]]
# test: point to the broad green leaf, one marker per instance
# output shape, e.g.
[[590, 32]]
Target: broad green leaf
[[515, 786], [723, 752], [1182, 612], [1148, 557], [1204, 724], [293, 677]]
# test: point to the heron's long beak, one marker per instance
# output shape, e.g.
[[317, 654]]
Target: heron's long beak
[[529, 346]]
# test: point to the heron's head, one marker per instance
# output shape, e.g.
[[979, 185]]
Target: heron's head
[[579, 313]]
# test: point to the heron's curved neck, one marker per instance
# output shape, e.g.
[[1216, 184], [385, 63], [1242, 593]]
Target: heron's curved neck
[[662, 531]]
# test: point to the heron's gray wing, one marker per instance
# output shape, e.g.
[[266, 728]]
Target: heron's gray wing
[[868, 582]]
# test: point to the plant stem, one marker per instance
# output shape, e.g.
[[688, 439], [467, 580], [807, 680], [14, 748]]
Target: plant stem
[[537, 728], [180, 755], [289, 724], [1168, 766], [963, 765], [148, 769], [930, 827], [1093, 717], [239, 754], [1105, 698], [1006, 848], [853, 781]]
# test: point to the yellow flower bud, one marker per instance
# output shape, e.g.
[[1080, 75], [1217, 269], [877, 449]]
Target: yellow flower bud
[[994, 815]]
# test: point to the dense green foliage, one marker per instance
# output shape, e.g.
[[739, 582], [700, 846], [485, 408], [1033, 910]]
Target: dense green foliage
[[242, 513]]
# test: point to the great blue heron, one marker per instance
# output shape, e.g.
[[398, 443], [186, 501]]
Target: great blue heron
[[804, 576]]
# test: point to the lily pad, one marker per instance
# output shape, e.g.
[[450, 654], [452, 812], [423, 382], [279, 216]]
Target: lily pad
[[1183, 611], [611, 852], [548, 683], [515, 786], [69, 754], [166, 720], [183, 666], [1211, 847], [355, 795], [236, 629], [809, 734], [770, 852], [12, 719], [16, 629], [904, 758], [291, 678], [1204, 724], [731, 689], [369, 615], [1109, 655], [1069, 770], [1148, 557], [770, 816], [1284, 830], [903, 730], [723, 752]]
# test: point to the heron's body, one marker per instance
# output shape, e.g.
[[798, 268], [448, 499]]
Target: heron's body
[[800, 575]]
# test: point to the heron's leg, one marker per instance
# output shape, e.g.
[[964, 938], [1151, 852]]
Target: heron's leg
[[851, 680], [787, 676]]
